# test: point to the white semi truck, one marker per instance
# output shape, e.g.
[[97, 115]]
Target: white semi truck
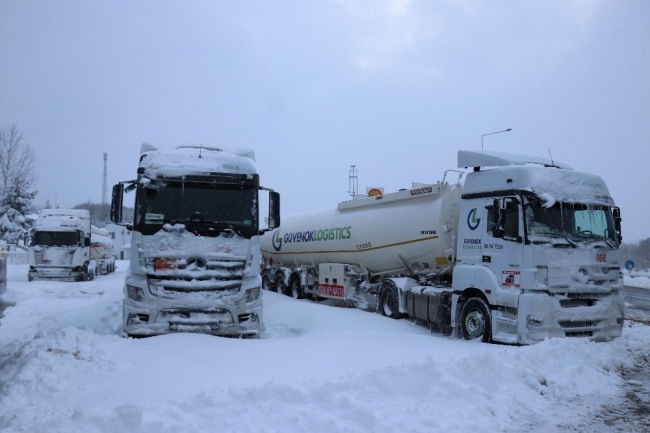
[[524, 250], [195, 253], [61, 247]]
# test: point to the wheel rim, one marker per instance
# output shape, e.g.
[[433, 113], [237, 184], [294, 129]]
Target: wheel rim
[[475, 324]]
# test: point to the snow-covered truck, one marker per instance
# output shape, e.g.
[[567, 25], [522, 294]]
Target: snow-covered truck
[[195, 254], [61, 247], [523, 250], [101, 250]]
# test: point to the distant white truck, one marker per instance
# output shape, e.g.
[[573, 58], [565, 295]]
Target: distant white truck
[[525, 249], [64, 246], [195, 253]]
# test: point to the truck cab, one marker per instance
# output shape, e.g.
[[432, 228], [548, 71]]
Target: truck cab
[[194, 256], [539, 243], [60, 246]]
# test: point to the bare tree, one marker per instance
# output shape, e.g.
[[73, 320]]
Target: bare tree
[[17, 159]]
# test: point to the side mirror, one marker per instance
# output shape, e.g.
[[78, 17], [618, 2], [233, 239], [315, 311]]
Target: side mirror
[[498, 217], [274, 210], [116, 203], [616, 212], [27, 240], [86, 242]]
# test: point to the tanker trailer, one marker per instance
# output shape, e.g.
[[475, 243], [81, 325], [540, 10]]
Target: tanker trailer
[[101, 250], [525, 249], [345, 254]]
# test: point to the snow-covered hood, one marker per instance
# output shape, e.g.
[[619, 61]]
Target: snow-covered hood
[[192, 262]]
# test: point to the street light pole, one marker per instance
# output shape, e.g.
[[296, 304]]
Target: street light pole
[[490, 133]]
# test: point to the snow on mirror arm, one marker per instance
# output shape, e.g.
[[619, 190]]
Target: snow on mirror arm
[[203, 208]]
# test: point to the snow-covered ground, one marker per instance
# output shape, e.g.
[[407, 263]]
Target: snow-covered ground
[[640, 281], [65, 367]]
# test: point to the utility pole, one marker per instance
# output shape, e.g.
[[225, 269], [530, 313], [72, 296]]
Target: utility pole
[[104, 187]]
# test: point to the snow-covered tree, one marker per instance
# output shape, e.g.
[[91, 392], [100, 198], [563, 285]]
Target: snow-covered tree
[[17, 177]]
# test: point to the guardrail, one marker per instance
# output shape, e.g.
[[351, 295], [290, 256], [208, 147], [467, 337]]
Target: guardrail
[[17, 258], [635, 274]]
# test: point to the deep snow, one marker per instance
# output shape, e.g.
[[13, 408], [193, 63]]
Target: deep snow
[[65, 367]]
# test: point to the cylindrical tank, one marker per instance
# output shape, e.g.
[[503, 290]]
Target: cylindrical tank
[[101, 244], [410, 231]]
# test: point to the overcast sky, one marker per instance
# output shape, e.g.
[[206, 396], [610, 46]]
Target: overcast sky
[[394, 87]]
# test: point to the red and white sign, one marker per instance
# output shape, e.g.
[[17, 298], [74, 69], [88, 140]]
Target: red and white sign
[[331, 290], [511, 278]]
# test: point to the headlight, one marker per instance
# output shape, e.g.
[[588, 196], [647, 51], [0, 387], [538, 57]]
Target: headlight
[[252, 295], [134, 293]]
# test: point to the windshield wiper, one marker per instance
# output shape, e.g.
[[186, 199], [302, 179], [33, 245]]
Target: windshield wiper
[[595, 236], [562, 235]]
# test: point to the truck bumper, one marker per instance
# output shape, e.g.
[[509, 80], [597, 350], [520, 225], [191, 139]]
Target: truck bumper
[[222, 320], [55, 273], [541, 316]]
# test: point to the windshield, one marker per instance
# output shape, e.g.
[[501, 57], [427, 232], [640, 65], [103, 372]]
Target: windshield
[[55, 239], [204, 208], [574, 221]]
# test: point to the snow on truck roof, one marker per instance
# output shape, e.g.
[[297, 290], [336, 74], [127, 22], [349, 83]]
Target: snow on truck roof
[[471, 158], [184, 160], [78, 213], [553, 180]]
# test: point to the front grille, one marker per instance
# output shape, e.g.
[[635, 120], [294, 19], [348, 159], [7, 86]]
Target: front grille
[[576, 324], [197, 275]]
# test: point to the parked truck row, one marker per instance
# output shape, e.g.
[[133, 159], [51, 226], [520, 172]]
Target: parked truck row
[[524, 249]]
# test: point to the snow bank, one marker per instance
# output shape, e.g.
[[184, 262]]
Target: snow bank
[[64, 367]]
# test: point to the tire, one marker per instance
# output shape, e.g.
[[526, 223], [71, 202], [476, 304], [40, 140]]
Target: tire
[[295, 289], [476, 321], [266, 283], [389, 302], [279, 286]]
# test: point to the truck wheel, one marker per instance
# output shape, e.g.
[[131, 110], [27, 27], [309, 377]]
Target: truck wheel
[[389, 302], [475, 320], [266, 284], [296, 289], [279, 286]]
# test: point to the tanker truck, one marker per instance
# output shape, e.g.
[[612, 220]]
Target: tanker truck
[[194, 262], [524, 249], [101, 250]]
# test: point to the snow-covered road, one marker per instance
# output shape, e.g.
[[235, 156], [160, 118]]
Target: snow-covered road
[[65, 367]]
